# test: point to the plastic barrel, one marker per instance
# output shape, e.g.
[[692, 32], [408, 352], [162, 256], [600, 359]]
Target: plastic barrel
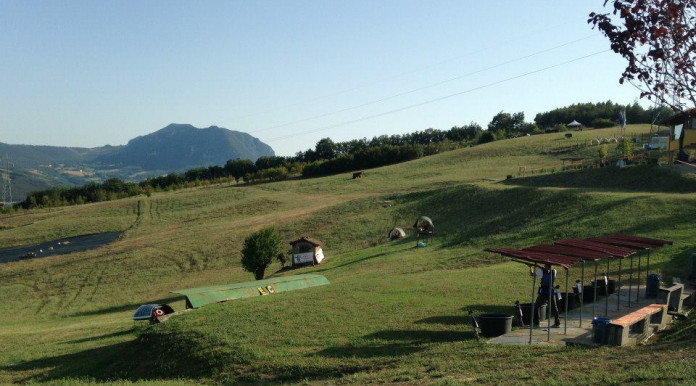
[[525, 312], [493, 325], [571, 298], [652, 286], [600, 329]]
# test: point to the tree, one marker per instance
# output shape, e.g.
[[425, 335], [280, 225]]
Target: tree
[[658, 39], [486, 137], [325, 149], [239, 167], [505, 124], [259, 250], [625, 147]]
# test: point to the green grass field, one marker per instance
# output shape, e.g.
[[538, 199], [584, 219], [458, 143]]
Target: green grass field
[[392, 313]]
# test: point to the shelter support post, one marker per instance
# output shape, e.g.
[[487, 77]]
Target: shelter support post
[[582, 291], [531, 305], [594, 289], [647, 272], [606, 290], [549, 309], [618, 288], [638, 285], [630, 283], [567, 300]]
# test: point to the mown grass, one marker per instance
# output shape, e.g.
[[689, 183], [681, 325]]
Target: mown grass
[[392, 313]]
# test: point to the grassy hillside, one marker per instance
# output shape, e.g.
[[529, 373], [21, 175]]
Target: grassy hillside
[[392, 313]]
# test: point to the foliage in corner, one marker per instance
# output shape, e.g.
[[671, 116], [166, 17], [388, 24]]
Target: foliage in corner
[[657, 39]]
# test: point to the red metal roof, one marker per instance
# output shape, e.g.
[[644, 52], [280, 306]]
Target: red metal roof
[[584, 254], [536, 257], [644, 240], [567, 252], [621, 242], [596, 246]]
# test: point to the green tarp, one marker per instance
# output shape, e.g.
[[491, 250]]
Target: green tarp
[[198, 297]]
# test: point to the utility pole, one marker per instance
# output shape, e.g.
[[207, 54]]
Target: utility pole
[[6, 183]]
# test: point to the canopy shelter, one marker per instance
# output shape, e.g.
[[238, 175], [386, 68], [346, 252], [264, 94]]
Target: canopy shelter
[[574, 124], [566, 253]]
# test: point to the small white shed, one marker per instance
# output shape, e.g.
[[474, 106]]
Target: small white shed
[[306, 250]]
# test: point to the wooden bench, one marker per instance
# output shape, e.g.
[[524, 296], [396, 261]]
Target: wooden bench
[[672, 296], [637, 326]]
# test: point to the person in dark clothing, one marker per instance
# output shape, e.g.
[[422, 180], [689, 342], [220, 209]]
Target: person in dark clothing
[[545, 296]]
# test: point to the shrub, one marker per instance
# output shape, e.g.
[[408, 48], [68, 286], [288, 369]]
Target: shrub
[[486, 137], [600, 123], [259, 250]]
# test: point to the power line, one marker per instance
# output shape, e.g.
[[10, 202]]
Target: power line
[[416, 70], [421, 88], [436, 99]]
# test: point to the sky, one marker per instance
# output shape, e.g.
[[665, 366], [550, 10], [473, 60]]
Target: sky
[[92, 73]]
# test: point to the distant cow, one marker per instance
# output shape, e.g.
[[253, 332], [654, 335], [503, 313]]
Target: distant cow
[[358, 174]]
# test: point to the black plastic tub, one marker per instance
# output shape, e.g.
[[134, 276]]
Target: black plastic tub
[[493, 325], [572, 300], [525, 313]]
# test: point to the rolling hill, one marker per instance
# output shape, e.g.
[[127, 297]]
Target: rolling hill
[[392, 313], [174, 148]]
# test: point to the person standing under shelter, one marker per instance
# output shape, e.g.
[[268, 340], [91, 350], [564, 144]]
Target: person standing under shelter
[[546, 288]]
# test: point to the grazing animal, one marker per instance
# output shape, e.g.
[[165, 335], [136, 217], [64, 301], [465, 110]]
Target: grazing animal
[[358, 174]]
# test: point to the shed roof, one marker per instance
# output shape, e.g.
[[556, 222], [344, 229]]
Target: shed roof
[[307, 240], [567, 252]]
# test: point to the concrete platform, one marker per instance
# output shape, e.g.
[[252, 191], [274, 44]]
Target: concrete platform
[[577, 329]]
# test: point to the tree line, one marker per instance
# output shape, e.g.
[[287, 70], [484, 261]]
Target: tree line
[[601, 114], [326, 158], [329, 157]]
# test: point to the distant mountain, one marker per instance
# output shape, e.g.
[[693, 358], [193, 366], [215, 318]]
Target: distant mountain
[[182, 147], [175, 148]]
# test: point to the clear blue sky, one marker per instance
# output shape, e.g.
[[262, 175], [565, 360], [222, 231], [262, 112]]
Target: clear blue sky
[[91, 73]]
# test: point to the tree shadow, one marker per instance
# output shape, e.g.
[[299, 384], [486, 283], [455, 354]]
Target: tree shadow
[[371, 351], [100, 337], [448, 320], [643, 178], [397, 343]]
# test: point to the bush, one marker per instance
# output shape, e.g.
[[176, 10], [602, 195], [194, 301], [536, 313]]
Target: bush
[[259, 250], [486, 137], [600, 123]]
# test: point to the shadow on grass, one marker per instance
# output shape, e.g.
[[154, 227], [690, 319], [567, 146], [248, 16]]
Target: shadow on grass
[[422, 336], [100, 337], [349, 263], [448, 320], [125, 307], [647, 178], [400, 342], [371, 351], [152, 356]]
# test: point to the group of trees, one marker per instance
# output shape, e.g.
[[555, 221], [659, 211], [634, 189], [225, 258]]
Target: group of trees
[[111, 189], [601, 114], [326, 149]]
